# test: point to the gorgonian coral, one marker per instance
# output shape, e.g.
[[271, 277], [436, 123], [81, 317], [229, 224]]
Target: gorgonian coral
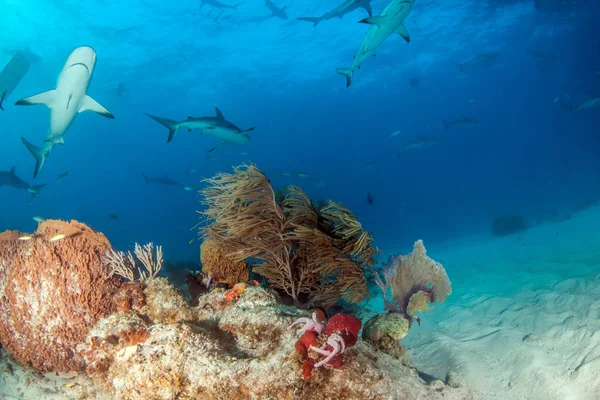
[[314, 252], [413, 281]]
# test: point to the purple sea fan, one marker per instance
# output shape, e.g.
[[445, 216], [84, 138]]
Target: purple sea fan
[[410, 282]]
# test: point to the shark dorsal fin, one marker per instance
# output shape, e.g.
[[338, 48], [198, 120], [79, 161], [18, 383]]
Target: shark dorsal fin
[[219, 114], [12, 170]]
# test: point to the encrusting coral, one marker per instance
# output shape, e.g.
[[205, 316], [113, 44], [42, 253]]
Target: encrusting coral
[[54, 287], [219, 268], [314, 252]]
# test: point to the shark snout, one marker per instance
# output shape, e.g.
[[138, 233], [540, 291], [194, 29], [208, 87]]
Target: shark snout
[[83, 55]]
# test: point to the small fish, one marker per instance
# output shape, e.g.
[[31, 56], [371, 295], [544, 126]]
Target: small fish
[[369, 199], [555, 100], [300, 175], [212, 158], [37, 218], [114, 217], [396, 133], [190, 171], [191, 241], [71, 384], [189, 188], [285, 174], [26, 237], [60, 176], [321, 184], [57, 237], [244, 153], [472, 101]]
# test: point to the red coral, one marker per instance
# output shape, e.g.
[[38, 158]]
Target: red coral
[[345, 325], [308, 338]]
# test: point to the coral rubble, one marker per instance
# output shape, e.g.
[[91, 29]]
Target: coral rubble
[[52, 291]]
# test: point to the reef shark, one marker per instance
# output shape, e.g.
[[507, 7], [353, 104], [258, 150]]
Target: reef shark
[[11, 75], [218, 4], [163, 180], [10, 178], [217, 126], [461, 121], [341, 10], [586, 105], [479, 58], [66, 101], [276, 11], [390, 21]]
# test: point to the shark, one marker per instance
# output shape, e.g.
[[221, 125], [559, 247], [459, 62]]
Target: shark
[[341, 10], [163, 180], [461, 121], [480, 58], [586, 105], [217, 126], [418, 144], [218, 4], [120, 89], [65, 101], [10, 178], [11, 75], [390, 21], [276, 11]]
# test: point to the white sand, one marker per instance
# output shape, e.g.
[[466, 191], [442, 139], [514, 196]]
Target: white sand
[[523, 321]]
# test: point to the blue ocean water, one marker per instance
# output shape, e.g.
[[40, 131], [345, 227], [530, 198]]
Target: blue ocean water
[[529, 155]]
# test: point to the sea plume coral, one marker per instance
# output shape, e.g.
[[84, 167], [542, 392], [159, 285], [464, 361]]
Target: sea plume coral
[[311, 251], [53, 288]]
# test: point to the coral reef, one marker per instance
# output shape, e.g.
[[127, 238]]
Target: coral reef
[[237, 350], [219, 268], [53, 288], [313, 252]]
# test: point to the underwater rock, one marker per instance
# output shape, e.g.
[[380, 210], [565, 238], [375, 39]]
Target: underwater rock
[[54, 287], [237, 349], [384, 332], [508, 224]]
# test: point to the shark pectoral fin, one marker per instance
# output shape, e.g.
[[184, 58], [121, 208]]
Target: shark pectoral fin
[[377, 20], [368, 8], [348, 73], [214, 148], [248, 130], [90, 104], [401, 30], [46, 98], [219, 114], [190, 129], [2, 100]]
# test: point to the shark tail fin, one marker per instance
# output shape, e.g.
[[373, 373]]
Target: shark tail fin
[[314, 20], [169, 123], [348, 73], [367, 7], [38, 153], [146, 178]]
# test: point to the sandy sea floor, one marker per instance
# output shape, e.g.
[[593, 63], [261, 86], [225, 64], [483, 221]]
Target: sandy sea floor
[[523, 321]]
